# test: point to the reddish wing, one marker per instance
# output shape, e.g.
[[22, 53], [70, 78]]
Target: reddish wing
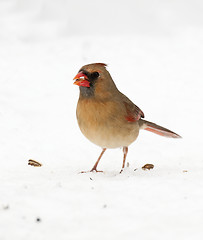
[[134, 113]]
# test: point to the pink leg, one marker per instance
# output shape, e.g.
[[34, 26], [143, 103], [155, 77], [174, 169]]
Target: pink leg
[[95, 165], [125, 151]]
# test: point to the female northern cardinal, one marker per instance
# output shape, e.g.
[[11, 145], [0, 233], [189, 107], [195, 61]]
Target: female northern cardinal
[[106, 116]]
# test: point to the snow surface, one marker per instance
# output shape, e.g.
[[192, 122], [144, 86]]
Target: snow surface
[[154, 54]]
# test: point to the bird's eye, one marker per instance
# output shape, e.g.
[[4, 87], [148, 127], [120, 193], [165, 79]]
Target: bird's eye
[[95, 75]]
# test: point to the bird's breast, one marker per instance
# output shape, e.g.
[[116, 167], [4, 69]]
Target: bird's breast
[[104, 123]]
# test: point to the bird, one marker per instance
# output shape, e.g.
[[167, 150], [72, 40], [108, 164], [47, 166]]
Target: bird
[[106, 116]]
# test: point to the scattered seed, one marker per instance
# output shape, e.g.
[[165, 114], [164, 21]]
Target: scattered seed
[[148, 166], [38, 219], [6, 207], [34, 163]]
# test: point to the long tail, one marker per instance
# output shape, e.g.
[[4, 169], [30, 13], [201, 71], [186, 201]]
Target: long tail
[[152, 127]]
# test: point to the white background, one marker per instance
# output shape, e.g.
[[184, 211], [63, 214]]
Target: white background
[[154, 53]]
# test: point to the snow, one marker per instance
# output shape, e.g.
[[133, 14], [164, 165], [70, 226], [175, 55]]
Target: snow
[[155, 58]]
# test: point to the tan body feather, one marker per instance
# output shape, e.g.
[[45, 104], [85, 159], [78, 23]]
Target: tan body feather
[[104, 123]]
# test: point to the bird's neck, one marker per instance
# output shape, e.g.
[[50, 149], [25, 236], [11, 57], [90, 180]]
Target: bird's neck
[[87, 92]]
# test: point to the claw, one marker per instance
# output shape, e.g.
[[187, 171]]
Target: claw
[[93, 170]]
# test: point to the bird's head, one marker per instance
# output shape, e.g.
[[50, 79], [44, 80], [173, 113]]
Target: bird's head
[[94, 80]]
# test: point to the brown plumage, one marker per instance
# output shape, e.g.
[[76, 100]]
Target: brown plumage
[[106, 116]]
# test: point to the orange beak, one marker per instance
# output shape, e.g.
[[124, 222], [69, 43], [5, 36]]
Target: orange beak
[[81, 80]]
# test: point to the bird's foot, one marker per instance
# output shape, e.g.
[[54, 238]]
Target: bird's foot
[[95, 170], [92, 170], [121, 170]]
